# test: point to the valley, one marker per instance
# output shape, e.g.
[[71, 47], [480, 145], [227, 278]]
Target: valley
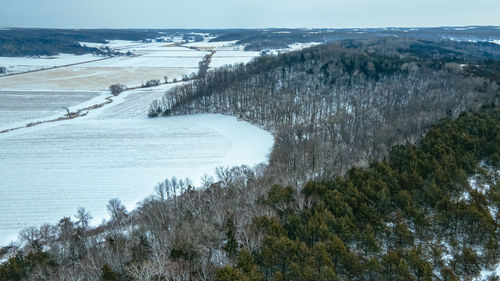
[[114, 151], [250, 154]]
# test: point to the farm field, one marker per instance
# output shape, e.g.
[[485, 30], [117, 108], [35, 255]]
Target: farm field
[[21, 107], [22, 64], [150, 61], [230, 57], [50, 170], [89, 78]]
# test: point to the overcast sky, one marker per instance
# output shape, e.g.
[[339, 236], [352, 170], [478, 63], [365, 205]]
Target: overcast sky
[[246, 14]]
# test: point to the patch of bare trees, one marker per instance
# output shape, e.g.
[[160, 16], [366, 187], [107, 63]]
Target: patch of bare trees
[[331, 107]]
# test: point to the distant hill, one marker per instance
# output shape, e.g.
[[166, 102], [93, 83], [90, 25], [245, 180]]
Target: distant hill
[[34, 42], [261, 39], [37, 42]]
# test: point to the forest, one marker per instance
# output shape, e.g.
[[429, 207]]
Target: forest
[[343, 104], [11, 46], [426, 212], [280, 38], [385, 166], [43, 41], [18, 42], [413, 216]]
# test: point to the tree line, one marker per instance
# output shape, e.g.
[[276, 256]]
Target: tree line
[[415, 215], [352, 190], [331, 107], [403, 218]]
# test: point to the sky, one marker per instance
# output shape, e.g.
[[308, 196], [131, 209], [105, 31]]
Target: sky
[[247, 14]]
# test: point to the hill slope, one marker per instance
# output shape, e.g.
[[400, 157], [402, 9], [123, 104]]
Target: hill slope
[[338, 105]]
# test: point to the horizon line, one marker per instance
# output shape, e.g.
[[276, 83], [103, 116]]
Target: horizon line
[[240, 28]]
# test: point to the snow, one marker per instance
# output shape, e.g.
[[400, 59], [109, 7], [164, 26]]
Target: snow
[[222, 45], [92, 44], [222, 61], [464, 28], [133, 104], [50, 170], [485, 274], [239, 54], [465, 196], [168, 53], [18, 108], [447, 253], [300, 46], [90, 78], [226, 52], [481, 183], [22, 64], [150, 61], [221, 58], [114, 44]]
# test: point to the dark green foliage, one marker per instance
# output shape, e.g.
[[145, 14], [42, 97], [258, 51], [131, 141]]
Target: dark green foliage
[[280, 198], [229, 274], [108, 274], [231, 245], [19, 266], [381, 223], [14, 269], [141, 250], [466, 263], [186, 254]]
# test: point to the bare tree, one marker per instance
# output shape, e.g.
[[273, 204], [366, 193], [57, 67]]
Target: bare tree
[[116, 210], [83, 217]]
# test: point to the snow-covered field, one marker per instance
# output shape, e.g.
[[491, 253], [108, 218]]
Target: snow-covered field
[[89, 78], [22, 64], [229, 57], [158, 60], [150, 61], [219, 46], [226, 52], [91, 73], [17, 108], [48, 171]]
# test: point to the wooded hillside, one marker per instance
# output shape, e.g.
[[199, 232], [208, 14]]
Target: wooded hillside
[[353, 189], [335, 106]]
